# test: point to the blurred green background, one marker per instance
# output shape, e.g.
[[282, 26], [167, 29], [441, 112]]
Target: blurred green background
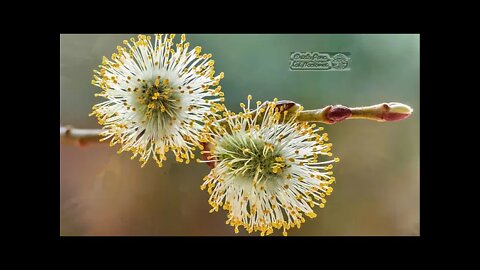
[[377, 189]]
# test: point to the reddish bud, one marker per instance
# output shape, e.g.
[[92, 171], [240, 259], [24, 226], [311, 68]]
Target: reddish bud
[[338, 113], [284, 105], [388, 116], [205, 156], [396, 111]]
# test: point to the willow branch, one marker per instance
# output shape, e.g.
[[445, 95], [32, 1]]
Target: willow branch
[[383, 112], [80, 137]]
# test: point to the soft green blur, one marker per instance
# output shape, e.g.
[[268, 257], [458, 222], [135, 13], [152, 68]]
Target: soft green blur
[[377, 187]]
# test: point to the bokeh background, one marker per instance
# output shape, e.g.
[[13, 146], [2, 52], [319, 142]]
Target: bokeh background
[[377, 191]]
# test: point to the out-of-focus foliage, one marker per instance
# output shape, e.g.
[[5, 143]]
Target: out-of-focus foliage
[[377, 188]]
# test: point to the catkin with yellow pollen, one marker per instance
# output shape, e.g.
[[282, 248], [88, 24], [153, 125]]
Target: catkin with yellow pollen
[[158, 96], [270, 170]]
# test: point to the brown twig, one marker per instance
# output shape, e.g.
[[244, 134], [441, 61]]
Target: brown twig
[[383, 112], [80, 137]]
